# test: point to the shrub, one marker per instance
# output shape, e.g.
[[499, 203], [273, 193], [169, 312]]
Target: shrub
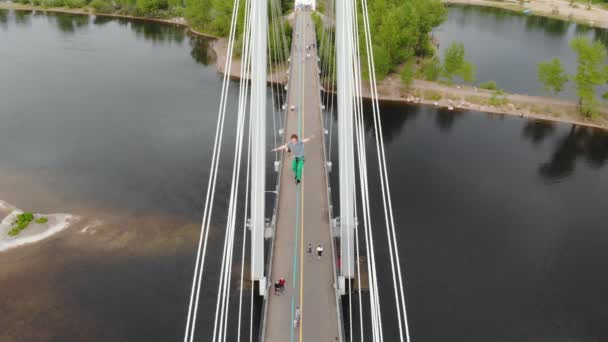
[[498, 99], [431, 69], [151, 7], [41, 220], [100, 6], [177, 12], [75, 3], [407, 74], [53, 3], [22, 221], [382, 62], [490, 85]]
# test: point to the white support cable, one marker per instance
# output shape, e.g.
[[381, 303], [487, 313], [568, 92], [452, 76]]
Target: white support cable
[[276, 55], [384, 177], [400, 299], [274, 116], [244, 239], [374, 294], [243, 87], [224, 283], [361, 151], [247, 189], [332, 73], [205, 225], [374, 299]]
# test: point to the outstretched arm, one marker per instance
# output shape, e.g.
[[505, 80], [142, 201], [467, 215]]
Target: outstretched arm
[[305, 140], [280, 148]]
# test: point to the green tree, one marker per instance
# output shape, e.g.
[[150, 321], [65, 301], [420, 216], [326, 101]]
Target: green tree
[[400, 30], [455, 64], [431, 69], [552, 75], [407, 74], [151, 7], [591, 72], [382, 62]]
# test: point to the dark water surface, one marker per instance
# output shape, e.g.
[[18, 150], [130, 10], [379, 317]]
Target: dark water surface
[[501, 221], [114, 120], [501, 224], [506, 46]]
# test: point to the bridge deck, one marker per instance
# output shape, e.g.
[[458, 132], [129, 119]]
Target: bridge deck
[[303, 213]]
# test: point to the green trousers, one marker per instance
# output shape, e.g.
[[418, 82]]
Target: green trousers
[[297, 165]]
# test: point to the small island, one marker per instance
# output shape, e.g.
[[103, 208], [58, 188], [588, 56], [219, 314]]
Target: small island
[[18, 228]]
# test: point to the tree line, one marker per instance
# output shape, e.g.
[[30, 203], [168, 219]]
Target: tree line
[[209, 16]]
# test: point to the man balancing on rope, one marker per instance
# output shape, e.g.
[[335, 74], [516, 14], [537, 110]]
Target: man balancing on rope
[[297, 147]]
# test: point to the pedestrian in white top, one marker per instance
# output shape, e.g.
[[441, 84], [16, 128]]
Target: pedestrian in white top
[[296, 320], [319, 251]]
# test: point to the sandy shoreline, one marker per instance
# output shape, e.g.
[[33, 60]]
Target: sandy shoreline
[[472, 98], [34, 232], [393, 91], [596, 17]]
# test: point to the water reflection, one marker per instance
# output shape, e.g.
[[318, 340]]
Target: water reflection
[[23, 18], [579, 142], [102, 20], [537, 131], [601, 35], [445, 118], [471, 12], [200, 50], [157, 33], [394, 117], [4, 19], [69, 23], [552, 27]]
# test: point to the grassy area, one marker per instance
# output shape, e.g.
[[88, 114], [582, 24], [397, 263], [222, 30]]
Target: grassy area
[[480, 100], [498, 99], [22, 221], [491, 85], [432, 95], [41, 220]]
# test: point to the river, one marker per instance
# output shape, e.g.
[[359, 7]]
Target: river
[[501, 221], [113, 120], [506, 46]]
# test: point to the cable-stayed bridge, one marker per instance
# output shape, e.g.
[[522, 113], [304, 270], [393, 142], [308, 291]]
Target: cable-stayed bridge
[[323, 294]]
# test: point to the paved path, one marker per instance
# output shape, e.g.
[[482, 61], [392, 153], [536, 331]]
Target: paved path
[[303, 213]]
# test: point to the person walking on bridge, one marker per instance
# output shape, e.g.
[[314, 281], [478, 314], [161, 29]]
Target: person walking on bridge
[[297, 147], [296, 321]]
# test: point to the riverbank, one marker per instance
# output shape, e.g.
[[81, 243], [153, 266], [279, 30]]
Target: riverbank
[[219, 45], [558, 9], [393, 90], [472, 98], [179, 21]]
